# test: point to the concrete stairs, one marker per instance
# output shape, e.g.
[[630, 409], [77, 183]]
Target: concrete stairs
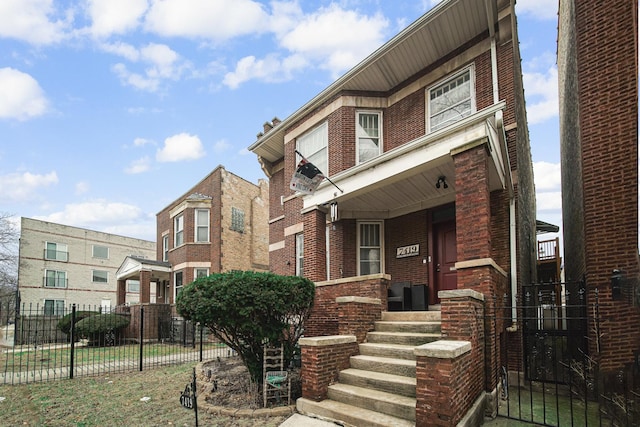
[[379, 387]]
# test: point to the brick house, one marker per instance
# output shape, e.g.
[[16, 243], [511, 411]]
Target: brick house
[[426, 146], [218, 225], [598, 86]]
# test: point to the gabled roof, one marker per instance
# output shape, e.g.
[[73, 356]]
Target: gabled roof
[[437, 34], [132, 266]]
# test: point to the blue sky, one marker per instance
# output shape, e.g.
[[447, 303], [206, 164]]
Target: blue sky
[[111, 109]]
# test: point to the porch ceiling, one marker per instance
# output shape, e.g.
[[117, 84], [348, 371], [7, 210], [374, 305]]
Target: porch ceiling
[[404, 180], [447, 26]]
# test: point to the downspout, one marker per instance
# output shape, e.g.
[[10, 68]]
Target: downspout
[[512, 203]]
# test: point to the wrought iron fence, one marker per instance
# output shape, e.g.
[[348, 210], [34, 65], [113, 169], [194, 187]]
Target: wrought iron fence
[[37, 345], [548, 376]]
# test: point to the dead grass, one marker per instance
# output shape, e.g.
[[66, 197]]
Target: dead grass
[[148, 398]]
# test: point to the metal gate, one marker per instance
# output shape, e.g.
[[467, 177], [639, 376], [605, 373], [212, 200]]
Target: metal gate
[[548, 376]]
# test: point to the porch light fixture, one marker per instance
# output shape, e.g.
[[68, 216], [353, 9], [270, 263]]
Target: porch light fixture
[[442, 181], [334, 211]]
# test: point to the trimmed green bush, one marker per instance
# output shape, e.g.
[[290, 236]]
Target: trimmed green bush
[[101, 329], [246, 309], [64, 324]]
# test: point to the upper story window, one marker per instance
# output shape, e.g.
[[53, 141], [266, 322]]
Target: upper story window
[[165, 247], [451, 100], [369, 248], [100, 252], [56, 252], [313, 146], [178, 230], [202, 225], [99, 276], [369, 135], [55, 279], [299, 254], [237, 220]]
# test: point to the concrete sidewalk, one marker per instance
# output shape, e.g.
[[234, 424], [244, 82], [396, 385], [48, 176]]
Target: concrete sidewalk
[[298, 420]]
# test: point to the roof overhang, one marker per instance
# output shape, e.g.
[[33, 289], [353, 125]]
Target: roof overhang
[[132, 266], [403, 180], [437, 34]]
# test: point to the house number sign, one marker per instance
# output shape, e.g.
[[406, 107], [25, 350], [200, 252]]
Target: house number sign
[[407, 251]]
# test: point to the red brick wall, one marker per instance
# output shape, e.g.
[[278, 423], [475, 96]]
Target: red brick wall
[[403, 231], [321, 365], [357, 317], [404, 121], [607, 47], [315, 248], [324, 315]]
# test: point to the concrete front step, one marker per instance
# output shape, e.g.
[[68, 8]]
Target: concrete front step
[[398, 384], [403, 338], [411, 316], [350, 415], [379, 401], [388, 365], [397, 326], [397, 351]]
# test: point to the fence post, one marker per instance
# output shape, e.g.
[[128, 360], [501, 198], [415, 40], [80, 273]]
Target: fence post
[[141, 335], [201, 335], [73, 340]]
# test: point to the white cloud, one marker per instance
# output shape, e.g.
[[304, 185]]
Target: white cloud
[[548, 186], [115, 16], [182, 146], [221, 146], [336, 37], [139, 166], [21, 97], [270, 69], [140, 142], [540, 80], [547, 176], [540, 9], [214, 20], [102, 215], [121, 49], [82, 187], [22, 187], [33, 21], [162, 63]]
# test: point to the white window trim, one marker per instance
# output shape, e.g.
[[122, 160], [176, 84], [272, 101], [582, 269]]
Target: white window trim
[[165, 247], [299, 255], [93, 276], [59, 246], [93, 251], [175, 288], [195, 272], [322, 127], [196, 226], [381, 223], [176, 231], [358, 136], [472, 82], [55, 287]]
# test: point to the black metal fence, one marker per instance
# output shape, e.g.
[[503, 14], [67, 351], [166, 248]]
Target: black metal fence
[[548, 376], [37, 344]]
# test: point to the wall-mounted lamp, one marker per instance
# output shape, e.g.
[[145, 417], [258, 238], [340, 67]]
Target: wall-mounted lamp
[[442, 181], [334, 211]]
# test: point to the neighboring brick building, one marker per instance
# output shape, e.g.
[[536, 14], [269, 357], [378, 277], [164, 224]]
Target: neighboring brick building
[[220, 224], [62, 265], [426, 145], [598, 85]]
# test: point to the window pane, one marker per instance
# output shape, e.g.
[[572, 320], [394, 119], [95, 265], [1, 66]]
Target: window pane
[[237, 220], [202, 225], [368, 132], [313, 146], [100, 252], [53, 307], [370, 249], [178, 229], [165, 248], [55, 279], [451, 101], [133, 286], [100, 276]]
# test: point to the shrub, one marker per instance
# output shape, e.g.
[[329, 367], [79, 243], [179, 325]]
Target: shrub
[[101, 329], [246, 309], [64, 324]]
